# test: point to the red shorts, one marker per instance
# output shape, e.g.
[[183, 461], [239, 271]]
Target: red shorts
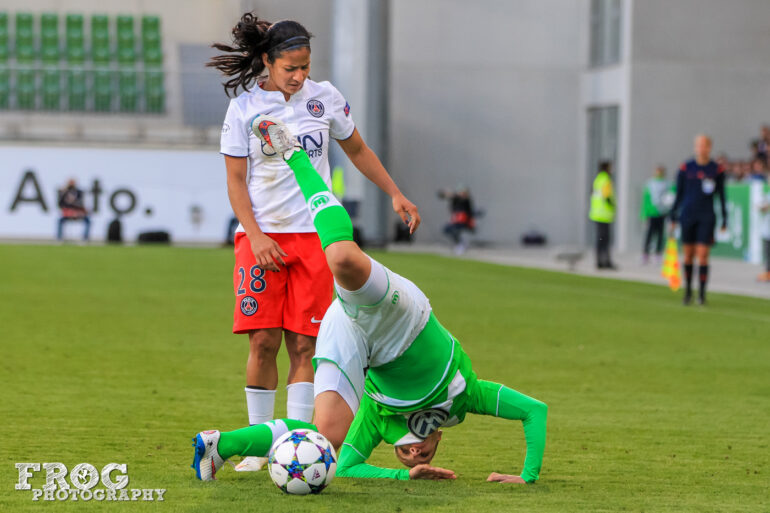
[[295, 299]]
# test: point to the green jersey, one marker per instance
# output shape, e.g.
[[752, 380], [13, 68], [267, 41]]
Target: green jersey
[[459, 394]]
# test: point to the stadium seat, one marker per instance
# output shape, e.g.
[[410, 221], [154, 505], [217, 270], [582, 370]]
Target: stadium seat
[[75, 49], [154, 93], [25, 89], [4, 46], [5, 87], [100, 40], [128, 90], [76, 89], [152, 54], [102, 90], [25, 43], [51, 89], [49, 38], [126, 41]]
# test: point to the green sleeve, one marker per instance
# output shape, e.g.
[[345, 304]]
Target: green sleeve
[[363, 436], [647, 206], [501, 401]]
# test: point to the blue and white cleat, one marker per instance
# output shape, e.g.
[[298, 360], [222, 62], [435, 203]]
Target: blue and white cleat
[[207, 460], [274, 133]]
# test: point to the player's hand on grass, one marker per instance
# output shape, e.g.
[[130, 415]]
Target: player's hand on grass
[[425, 471], [267, 252], [407, 211], [494, 477]]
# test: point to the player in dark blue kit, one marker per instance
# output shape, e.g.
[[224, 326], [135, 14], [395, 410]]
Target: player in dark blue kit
[[698, 181]]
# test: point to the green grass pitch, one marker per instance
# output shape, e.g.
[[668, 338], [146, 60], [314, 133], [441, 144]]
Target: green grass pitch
[[121, 354]]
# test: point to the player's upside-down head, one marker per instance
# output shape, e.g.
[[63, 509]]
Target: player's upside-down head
[[419, 453]]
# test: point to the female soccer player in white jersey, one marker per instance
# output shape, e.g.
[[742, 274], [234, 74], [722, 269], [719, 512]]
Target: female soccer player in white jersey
[[419, 379], [271, 63]]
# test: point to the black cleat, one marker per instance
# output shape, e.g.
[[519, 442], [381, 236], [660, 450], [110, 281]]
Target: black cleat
[[687, 298], [702, 300]]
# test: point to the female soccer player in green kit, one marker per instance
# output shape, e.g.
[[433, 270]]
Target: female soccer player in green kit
[[386, 369]]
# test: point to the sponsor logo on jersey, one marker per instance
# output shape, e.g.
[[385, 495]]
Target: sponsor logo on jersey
[[347, 109], [314, 320], [315, 108], [312, 143], [225, 128], [318, 200], [249, 306], [424, 422], [395, 298]]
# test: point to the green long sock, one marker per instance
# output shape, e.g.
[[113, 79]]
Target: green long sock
[[257, 440], [330, 219]]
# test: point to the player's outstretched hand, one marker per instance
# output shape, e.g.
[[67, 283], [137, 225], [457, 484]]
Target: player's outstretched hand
[[425, 471], [494, 477], [407, 211], [267, 252]]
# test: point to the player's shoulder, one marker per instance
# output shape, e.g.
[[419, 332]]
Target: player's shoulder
[[250, 101], [687, 164], [323, 88]]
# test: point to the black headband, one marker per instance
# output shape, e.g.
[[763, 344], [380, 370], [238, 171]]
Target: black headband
[[291, 44]]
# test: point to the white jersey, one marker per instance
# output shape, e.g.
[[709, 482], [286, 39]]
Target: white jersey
[[314, 114], [357, 337]]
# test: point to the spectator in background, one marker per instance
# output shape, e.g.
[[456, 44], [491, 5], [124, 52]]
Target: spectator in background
[[602, 213], [758, 168], [760, 146], [462, 219], [72, 209], [656, 204], [744, 172], [764, 224]]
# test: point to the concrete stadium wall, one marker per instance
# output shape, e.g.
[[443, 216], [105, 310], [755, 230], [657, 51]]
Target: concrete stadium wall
[[486, 94], [704, 66]]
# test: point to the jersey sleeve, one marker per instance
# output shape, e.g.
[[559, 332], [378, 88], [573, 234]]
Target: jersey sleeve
[[235, 132], [363, 436], [341, 124], [501, 401]]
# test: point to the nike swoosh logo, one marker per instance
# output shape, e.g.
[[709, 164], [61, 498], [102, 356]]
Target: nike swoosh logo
[[314, 321]]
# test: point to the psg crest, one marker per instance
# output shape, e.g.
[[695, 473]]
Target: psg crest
[[424, 422], [248, 306], [315, 108]]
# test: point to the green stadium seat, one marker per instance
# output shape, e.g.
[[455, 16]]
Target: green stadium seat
[[128, 90], [25, 43], [102, 90], [5, 48], [4, 36], [154, 93], [126, 41], [25, 89], [49, 38], [51, 89], [5, 88], [100, 40], [75, 49], [25, 29], [76, 89], [152, 56]]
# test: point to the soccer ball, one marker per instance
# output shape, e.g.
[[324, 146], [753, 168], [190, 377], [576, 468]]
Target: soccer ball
[[301, 462]]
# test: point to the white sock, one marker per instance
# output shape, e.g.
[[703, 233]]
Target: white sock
[[299, 401], [260, 404]]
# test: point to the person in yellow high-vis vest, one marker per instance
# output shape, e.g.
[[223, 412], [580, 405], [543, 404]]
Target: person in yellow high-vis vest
[[602, 212]]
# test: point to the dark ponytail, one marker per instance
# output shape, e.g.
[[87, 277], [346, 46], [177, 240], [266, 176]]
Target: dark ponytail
[[252, 38]]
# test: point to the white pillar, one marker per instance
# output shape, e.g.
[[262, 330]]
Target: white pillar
[[359, 71]]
